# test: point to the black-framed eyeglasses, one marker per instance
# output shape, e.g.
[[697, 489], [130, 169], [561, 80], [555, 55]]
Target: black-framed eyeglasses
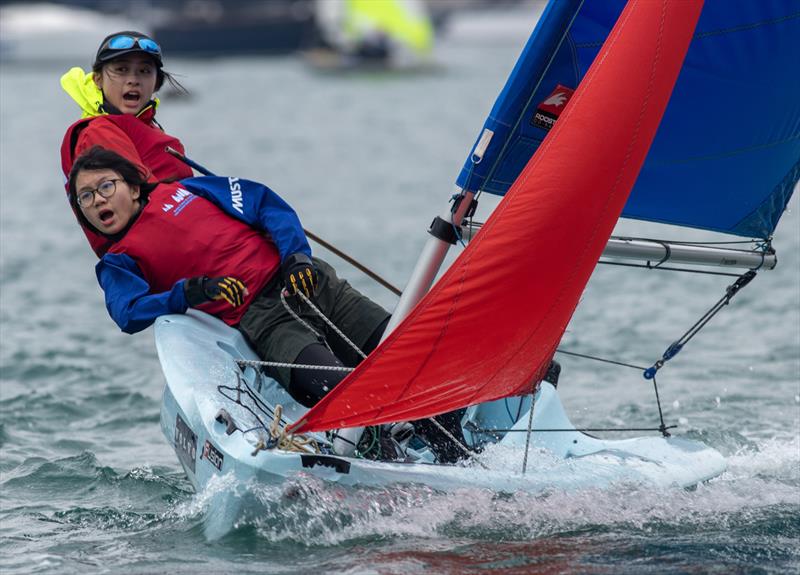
[[125, 42], [106, 190]]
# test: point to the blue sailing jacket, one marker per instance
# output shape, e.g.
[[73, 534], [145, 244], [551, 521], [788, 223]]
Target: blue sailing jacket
[[212, 226]]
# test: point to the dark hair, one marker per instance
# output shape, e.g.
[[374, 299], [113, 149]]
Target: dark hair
[[99, 158]]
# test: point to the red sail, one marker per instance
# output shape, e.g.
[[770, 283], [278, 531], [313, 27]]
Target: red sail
[[490, 326]]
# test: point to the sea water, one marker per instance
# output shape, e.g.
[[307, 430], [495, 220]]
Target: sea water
[[89, 484]]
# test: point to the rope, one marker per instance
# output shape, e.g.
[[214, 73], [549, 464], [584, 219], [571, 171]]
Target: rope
[[460, 445], [330, 247], [528, 437], [761, 244], [322, 316], [290, 441], [764, 247], [260, 363], [667, 254], [221, 389], [367, 451], [566, 429], [353, 262], [301, 321]]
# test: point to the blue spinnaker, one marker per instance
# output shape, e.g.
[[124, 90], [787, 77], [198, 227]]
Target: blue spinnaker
[[726, 156]]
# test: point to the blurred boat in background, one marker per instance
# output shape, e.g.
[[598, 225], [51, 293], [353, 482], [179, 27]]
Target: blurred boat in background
[[338, 33], [53, 33]]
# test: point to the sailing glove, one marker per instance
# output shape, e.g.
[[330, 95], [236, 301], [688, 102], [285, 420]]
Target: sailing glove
[[203, 289], [299, 275]]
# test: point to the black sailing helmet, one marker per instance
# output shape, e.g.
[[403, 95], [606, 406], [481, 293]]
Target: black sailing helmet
[[127, 42]]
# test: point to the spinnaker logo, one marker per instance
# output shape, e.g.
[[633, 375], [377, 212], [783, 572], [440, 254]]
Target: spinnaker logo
[[236, 195], [558, 99], [550, 109]]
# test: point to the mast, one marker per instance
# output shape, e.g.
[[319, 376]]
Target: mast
[[442, 236]]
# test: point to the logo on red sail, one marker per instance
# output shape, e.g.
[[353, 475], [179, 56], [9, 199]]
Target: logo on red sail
[[550, 109]]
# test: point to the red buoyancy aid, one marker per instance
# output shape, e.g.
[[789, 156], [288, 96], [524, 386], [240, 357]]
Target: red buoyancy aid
[[179, 235], [136, 138]]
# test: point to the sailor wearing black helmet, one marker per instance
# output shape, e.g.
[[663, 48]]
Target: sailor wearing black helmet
[[118, 111], [121, 43], [128, 71]]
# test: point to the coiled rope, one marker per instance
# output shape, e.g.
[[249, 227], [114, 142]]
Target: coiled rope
[[286, 441]]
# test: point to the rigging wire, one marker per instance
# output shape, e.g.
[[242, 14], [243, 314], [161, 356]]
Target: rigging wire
[[676, 346], [596, 358], [659, 267], [649, 373], [662, 428]]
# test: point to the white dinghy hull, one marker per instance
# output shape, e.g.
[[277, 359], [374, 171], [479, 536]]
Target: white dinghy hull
[[215, 438]]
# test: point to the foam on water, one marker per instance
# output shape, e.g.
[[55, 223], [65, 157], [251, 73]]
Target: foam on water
[[312, 512]]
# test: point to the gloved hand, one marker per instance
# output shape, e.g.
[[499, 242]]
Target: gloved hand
[[299, 274], [202, 289]]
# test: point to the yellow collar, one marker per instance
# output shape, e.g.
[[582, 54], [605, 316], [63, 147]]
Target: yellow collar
[[81, 87]]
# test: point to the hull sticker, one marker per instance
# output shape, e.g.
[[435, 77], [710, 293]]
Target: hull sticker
[[212, 455], [185, 443]]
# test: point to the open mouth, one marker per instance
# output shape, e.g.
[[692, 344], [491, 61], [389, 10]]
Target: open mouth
[[105, 216], [132, 96]]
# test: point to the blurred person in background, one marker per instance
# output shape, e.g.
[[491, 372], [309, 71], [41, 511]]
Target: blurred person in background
[[365, 32], [118, 105]]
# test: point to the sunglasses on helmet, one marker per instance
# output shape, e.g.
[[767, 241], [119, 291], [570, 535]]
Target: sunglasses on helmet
[[124, 42]]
